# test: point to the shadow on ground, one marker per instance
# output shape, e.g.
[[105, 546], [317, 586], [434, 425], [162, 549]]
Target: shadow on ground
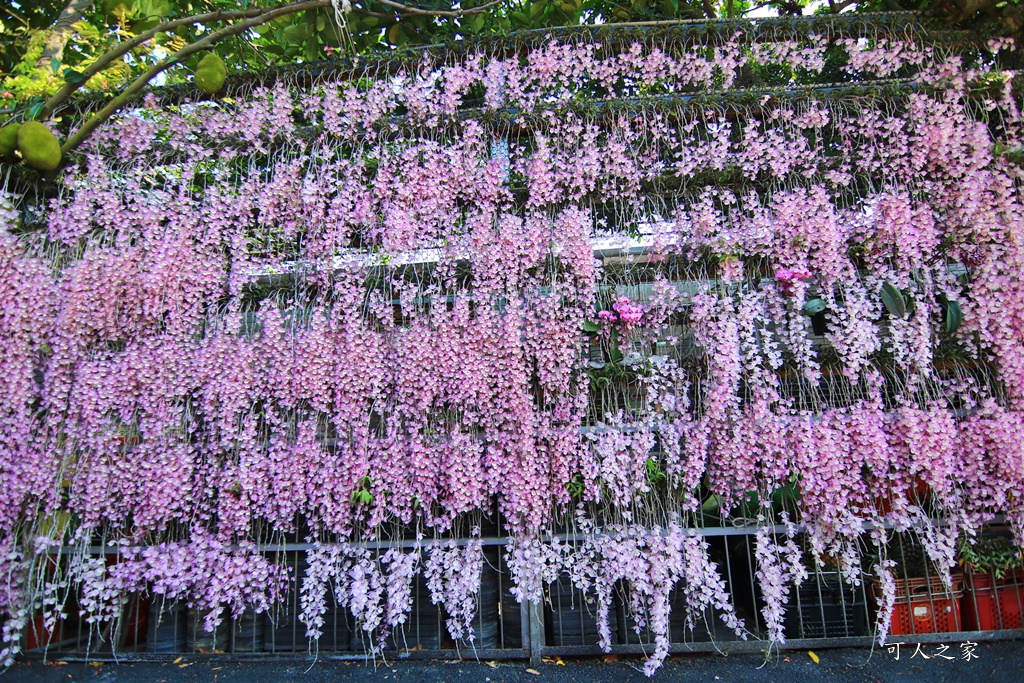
[[997, 661]]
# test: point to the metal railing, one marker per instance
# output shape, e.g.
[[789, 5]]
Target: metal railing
[[823, 611]]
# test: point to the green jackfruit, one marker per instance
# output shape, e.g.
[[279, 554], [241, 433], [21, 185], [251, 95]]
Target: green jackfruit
[[210, 74], [38, 146], [9, 139], [396, 35]]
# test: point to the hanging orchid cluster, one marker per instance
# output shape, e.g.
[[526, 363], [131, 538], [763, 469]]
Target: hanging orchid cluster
[[358, 309]]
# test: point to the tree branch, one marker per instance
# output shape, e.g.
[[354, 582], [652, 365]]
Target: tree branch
[[442, 13], [139, 83], [124, 48], [836, 9], [58, 36], [379, 15], [967, 8], [14, 15]]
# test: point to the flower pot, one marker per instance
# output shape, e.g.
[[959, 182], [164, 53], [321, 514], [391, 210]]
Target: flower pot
[[511, 610], [819, 325], [679, 632], [423, 630], [571, 616], [283, 631], [247, 632], [486, 623], [198, 639], [992, 604], [919, 493], [135, 626], [924, 605], [166, 628], [825, 606]]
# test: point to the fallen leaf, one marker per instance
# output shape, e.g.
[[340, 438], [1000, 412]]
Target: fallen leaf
[[178, 660], [785, 659], [814, 657], [217, 668], [609, 658], [61, 663], [492, 664], [96, 664], [559, 662], [182, 666], [533, 671]]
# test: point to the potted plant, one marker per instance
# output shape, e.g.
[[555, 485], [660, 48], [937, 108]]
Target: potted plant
[[993, 584]]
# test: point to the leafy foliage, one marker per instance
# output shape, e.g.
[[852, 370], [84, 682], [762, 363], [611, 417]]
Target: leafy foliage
[[38, 52]]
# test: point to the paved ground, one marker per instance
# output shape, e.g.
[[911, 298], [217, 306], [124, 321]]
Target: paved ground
[[999, 661]]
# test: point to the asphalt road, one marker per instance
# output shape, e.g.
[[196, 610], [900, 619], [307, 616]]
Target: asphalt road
[[997, 661]]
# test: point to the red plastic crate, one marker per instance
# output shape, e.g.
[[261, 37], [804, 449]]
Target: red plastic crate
[[924, 605], [918, 493], [992, 604], [36, 636]]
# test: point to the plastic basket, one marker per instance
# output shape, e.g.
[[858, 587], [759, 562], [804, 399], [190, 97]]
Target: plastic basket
[[925, 605], [827, 607], [992, 604]]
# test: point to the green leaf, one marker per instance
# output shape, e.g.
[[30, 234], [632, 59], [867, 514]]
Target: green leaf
[[73, 77], [655, 474], [311, 50], [814, 306], [591, 326], [614, 353], [784, 495], [954, 316], [893, 301], [35, 110], [711, 504], [576, 486]]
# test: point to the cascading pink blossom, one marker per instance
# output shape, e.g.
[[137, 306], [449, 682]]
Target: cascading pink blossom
[[350, 311]]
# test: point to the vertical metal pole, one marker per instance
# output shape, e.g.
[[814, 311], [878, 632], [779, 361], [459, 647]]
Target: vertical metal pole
[[533, 630]]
